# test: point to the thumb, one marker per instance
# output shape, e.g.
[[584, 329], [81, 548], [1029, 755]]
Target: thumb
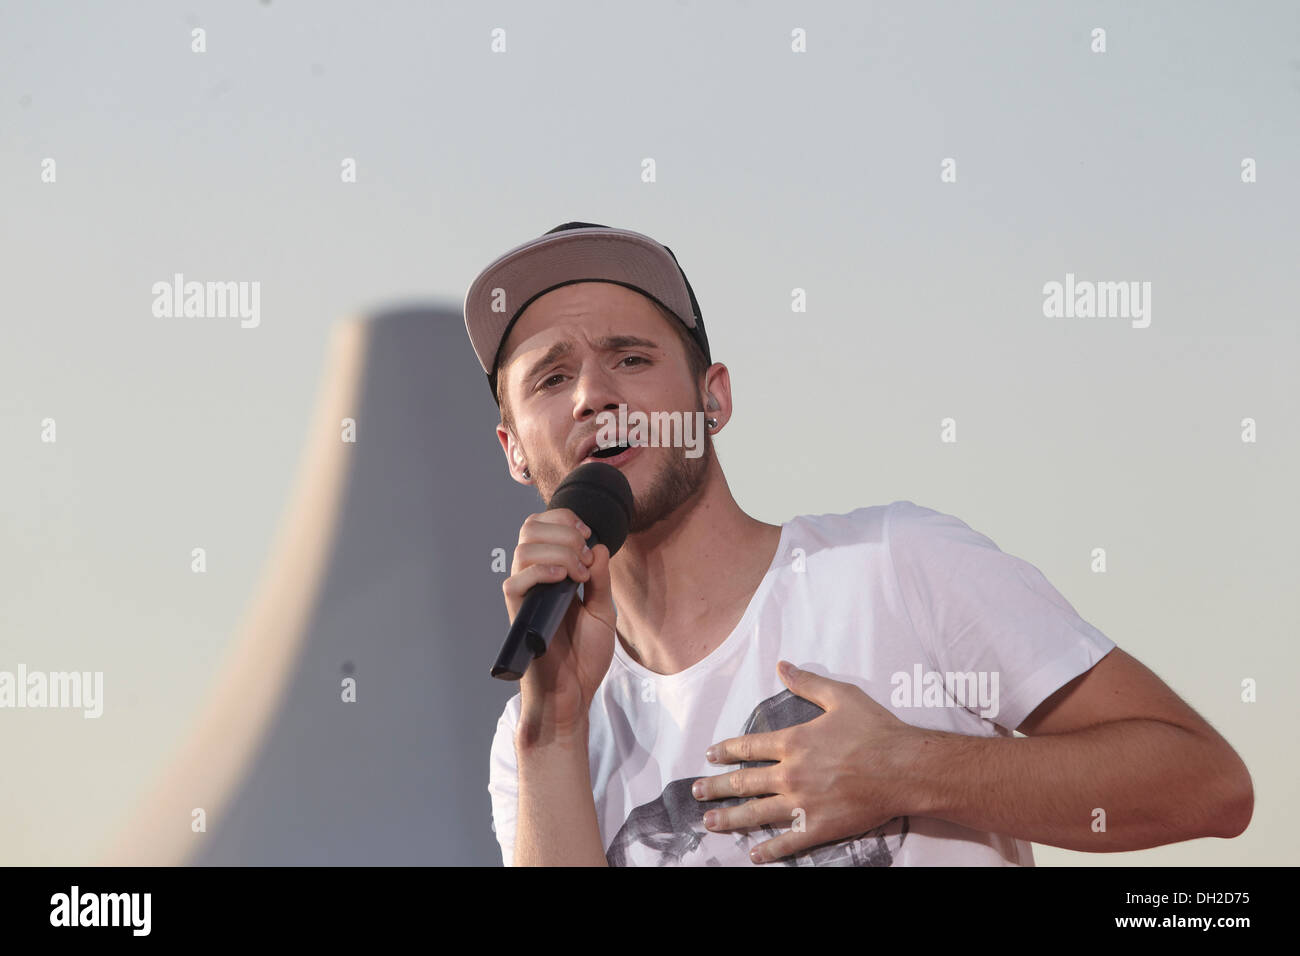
[[808, 685], [597, 593]]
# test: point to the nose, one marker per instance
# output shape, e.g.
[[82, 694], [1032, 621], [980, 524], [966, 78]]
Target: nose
[[594, 391]]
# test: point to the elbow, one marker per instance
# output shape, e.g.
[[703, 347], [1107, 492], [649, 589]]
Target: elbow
[[1235, 811], [1241, 811]]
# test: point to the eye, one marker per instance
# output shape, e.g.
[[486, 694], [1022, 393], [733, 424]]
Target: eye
[[544, 384]]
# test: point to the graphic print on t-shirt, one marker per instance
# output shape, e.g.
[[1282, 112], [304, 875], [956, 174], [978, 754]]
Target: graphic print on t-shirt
[[669, 831]]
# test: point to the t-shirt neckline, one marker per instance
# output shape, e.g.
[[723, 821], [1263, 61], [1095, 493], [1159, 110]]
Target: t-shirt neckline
[[742, 628]]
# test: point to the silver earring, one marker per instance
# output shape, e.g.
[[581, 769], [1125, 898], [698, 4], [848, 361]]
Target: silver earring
[[528, 475], [712, 422]]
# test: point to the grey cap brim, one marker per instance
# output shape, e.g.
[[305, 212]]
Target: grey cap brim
[[509, 285]]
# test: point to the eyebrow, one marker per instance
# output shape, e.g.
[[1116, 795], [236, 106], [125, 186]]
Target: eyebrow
[[609, 343]]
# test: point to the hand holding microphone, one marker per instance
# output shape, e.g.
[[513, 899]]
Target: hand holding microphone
[[560, 646]]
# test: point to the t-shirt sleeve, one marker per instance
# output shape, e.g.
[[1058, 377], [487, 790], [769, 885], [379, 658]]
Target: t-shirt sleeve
[[503, 781], [978, 609]]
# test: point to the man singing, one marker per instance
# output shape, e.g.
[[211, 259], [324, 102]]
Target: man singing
[[664, 727]]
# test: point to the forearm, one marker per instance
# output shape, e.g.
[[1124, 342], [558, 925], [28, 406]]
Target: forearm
[[557, 823], [1156, 783]]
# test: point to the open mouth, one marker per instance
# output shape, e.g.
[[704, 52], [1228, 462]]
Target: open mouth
[[609, 452], [614, 454]]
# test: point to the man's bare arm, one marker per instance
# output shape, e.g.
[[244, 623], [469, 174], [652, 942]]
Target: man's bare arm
[[557, 823], [1156, 783], [1117, 739]]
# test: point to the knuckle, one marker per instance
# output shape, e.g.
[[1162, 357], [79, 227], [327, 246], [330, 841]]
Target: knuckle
[[736, 780]]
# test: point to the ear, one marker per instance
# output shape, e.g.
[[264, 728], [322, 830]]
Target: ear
[[717, 395], [514, 452]]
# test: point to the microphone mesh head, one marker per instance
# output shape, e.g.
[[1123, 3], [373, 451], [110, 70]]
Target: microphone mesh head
[[600, 495]]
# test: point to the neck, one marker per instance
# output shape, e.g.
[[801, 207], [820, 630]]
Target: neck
[[683, 584]]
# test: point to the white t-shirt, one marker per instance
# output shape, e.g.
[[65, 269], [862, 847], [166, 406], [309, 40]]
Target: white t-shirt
[[897, 599]]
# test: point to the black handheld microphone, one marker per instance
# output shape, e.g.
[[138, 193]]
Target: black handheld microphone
[[600, 495]]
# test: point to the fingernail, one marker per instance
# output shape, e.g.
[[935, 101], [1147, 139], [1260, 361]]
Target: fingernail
[[711, 755], [697, 788], [710, 819], [586, 532], [756, 855]]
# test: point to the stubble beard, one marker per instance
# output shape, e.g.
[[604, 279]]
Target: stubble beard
[[678, 479]]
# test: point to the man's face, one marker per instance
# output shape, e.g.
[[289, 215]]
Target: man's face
[[589, 347]]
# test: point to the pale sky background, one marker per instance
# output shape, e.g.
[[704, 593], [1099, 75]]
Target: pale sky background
[[775, 170]]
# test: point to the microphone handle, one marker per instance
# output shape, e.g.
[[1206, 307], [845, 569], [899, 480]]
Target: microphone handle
[[534, 627]]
